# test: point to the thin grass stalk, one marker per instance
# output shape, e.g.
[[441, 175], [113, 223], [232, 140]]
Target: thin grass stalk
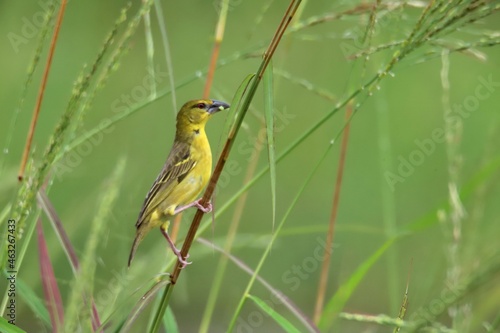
[[41, 40], [83, 281], [388, 198], [453, 220], [29, 190], [337, 302], [288, 303], [488, 273], [299, 26], [51, 213], [150, 49], [50, 289], [17, 215], [271, 151], [325, 265], [307, 85], [41, 91], [404, 305], [222, 160], [274, 236], [139, 307], [231, 235], [114, 60], [378, 319], [46, 205], [168, 54], [219, 36]]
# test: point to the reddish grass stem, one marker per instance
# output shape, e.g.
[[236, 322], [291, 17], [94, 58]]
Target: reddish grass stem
[[323, 282], [41, 92], [232, 135]]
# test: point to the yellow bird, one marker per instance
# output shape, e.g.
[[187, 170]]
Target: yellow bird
[[184, 175]]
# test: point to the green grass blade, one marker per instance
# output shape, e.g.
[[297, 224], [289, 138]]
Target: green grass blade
[[235, 105], [337, 302], [279, 319], [143, 302], [269, 113], [24, 247], [169, 321], [33, 301], [5, 327]]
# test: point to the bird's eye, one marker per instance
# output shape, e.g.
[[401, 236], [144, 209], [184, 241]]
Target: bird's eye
[[201, 105]]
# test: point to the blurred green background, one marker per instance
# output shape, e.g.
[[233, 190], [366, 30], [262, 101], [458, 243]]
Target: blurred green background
[[406, 109]]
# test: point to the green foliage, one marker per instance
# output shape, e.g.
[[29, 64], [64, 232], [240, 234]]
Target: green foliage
[[420, 182]]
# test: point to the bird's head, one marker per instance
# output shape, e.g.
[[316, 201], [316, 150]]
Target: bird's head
[[194, 114]]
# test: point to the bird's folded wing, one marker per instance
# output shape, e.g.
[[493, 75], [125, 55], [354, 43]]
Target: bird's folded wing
[[179, 164]]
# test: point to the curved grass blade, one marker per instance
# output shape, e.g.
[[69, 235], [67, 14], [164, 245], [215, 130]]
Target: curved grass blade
[[269, 113], [51, 213], [345, 291], [169, 321], [144, 301], [279, 319], [33, 301], [5, 327], [268, 248], [235, 104], [292, 307]]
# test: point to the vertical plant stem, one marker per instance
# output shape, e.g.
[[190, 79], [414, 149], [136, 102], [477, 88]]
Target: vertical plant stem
[[150, 49], [41, 92], [168, 55], [274, 236], [388, 200], [453, 220], [50, 288], [325, 265], [219, 36], [222, 264]]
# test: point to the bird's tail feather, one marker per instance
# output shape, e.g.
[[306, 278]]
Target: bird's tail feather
[[138, 238]]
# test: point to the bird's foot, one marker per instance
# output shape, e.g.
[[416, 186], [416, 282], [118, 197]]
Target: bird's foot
[[207, 209], [182, 260], [196, 204]]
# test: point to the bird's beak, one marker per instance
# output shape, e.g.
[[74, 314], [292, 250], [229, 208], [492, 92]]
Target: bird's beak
[[217, 106]]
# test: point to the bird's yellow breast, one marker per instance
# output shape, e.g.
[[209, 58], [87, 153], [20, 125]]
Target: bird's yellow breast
[[191, 186]]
